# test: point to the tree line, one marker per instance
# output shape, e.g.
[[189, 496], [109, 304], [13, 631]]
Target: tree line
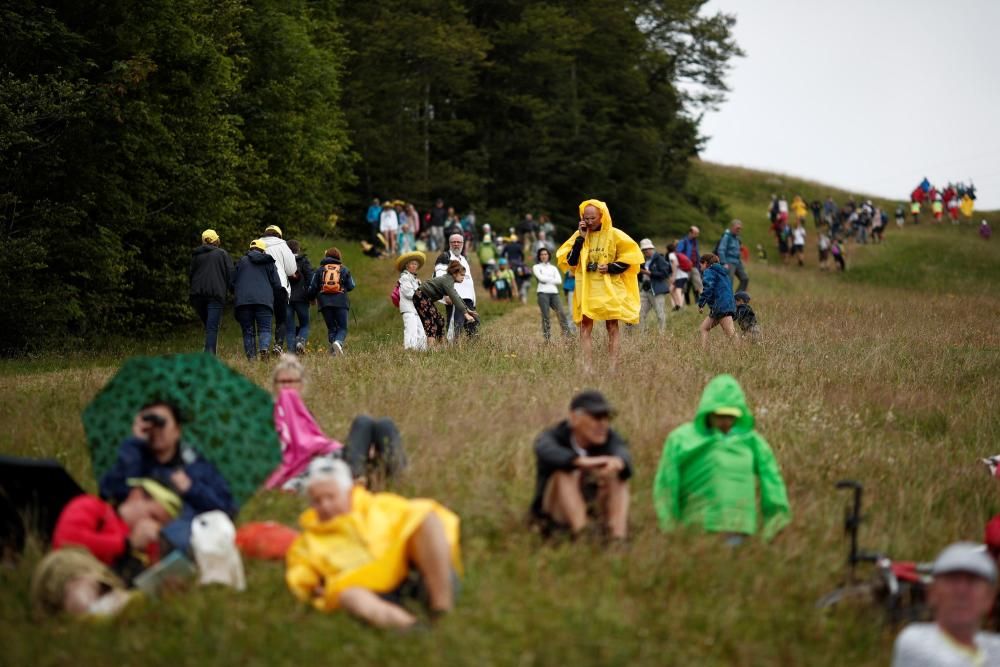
[[127, 127]]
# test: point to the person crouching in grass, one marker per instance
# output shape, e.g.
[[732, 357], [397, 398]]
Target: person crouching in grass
[[717, 294], [366, 552]]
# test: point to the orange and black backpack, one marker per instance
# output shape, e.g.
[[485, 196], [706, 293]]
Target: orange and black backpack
[[329, 282]]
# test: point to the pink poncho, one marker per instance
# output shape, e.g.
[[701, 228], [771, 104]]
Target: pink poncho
[[300, 435]]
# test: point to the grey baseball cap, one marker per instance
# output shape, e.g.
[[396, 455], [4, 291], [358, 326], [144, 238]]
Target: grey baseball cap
[[966, 557]]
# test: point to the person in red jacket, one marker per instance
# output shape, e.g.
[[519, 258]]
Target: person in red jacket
[[127, 538]]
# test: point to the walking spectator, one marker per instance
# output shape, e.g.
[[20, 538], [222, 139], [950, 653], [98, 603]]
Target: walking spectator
[[389, 226], [414, 337], [513, 250], [961, 594], [284, 261], [680, 267], [435, 289], [569, 286], [730, 256], [545, 225], [823, 244], [985, 232], [606, 263], [816, 207], [329, 287], [915, 212], [900, 216], [689, 246], [373, 217], [465, 289], [829, 211], [255, 284], [837, 251], [745, 318], [527, 230], [799, 209], [712, 466], [583, 468], [413, 218], [504, 282], [798, 243], [937, 207], [210, 276], [654, 283], [718, 295], [548, 293], [357, 550], [156, 451], [436, 219], [543, 242], [298, 302]]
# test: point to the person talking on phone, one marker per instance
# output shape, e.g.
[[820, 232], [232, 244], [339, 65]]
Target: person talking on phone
[[155, 451], [605, 262]]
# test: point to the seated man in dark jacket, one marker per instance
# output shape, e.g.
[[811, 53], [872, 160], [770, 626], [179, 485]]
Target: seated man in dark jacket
[[583, 468], [156, 451]]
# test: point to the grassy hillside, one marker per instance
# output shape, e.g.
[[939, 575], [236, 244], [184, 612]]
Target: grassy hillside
[[886, 374]]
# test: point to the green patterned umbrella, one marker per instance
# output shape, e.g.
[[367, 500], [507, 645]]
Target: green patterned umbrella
[[228, 418]]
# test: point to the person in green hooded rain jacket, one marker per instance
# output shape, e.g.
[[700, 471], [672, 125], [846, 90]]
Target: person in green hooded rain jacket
[[710, 469]]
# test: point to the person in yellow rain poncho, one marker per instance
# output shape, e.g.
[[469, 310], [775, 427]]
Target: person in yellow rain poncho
[[605, 262], [799, 208], [967, 205], [357, 547]]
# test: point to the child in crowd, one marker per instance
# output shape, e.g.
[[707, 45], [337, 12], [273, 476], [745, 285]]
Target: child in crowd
[[717, 293], [837, 251], [569, 286], [746, 318], [901, 216], [799, 242], [504, 287], [330, 284], [407, 242], [824, 250]]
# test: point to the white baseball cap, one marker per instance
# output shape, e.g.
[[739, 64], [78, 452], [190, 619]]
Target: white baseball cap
[[966, 557]]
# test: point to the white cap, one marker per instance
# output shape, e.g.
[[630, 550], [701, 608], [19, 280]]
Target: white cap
[[646, 244], [966, 557]]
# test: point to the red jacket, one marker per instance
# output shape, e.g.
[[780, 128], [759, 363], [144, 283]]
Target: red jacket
[[89, 522]]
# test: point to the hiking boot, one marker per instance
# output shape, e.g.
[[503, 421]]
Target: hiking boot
[[264, 355]]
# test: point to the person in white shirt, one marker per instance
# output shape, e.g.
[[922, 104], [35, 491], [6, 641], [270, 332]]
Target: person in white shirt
[[284, 262], [414, 337], [389, 226], [549, 279], [799, 242], [961, 595], [466, 289]]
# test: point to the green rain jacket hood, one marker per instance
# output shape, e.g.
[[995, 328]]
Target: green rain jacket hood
[[710, 479]]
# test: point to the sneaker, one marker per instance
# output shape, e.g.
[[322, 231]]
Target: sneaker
[[300, 348], [337, 348], [278, 350]]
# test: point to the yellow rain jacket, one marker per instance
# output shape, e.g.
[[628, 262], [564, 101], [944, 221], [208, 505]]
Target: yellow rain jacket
[[604, 296], [967, 205], [365, 547]]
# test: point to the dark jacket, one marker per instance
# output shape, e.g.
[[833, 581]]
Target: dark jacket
[[211, 272], [256, 280], [659, 279], [300, 285], [689, 246], [331, 300], [717, 291], [209, 490], [441, 287], [745, 317], [554, 452]]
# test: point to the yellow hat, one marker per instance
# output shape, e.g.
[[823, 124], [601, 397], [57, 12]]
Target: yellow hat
[[408, 257], [728, 412], [209, 236], [258, 244], [169, 500], [274, 228]]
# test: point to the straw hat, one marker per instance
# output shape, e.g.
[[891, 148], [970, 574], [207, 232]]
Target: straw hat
[[406, 258]]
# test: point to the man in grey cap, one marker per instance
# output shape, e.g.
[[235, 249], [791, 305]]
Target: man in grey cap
[[961, 595], [583, 465], [654, 277]]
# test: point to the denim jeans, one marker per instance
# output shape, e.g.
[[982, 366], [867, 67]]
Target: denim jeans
[[300, 333], [209, 310], [252, 316], [336, 324], [280, 314]]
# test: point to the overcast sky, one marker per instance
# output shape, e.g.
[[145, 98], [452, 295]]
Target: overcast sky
[[869, 95]]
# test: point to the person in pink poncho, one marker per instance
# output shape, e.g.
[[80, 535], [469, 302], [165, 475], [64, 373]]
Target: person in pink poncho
[[373, 450]]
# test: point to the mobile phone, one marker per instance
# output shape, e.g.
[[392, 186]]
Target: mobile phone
[[154, 419]]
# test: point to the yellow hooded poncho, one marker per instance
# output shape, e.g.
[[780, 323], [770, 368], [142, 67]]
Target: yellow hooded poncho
[[365, 547], [604, 296]]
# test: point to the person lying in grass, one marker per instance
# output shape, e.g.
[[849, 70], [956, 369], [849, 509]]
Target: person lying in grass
[[711, 467], [365, 553]]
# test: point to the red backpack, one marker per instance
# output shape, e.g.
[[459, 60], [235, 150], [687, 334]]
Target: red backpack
[[394, 297], [683, 262]]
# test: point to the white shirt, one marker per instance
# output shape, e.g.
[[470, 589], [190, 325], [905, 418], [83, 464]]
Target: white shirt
[[782, 206], [548, 278], [388, 221], [466, 289], [678, 274], [408, 284], [926, 645], [799, 236]]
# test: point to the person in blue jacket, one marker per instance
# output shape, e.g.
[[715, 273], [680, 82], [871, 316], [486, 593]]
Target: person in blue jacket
[[329, 287], [730, 257], [155, 451], [254, 284], [717, 294]]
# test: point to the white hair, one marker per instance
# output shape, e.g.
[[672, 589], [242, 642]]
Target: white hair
[[324, 468]]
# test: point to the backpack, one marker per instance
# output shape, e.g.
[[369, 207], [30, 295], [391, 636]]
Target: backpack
[[683, 262], [394, 296], [330, 280], [522, 271]]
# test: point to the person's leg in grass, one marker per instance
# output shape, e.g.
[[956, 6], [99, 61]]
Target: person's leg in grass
[[614, 499], [213, 319], [340, 335], [727, 325], [587, 342], [302, 333], [614, 341], [706, 326], [564, 502], [556, 304], [429, 551], [543, 306], [370, 608], [660, 307], [264, 316]]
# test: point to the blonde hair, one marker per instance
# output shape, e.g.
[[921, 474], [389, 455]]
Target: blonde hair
[[323, 469], [288, 363]]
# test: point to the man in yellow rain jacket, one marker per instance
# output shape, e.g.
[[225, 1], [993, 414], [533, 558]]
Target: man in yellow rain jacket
[[356, 549], [605, 262]]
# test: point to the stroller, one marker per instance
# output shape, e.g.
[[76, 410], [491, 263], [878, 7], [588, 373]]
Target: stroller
[[898, 587]]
